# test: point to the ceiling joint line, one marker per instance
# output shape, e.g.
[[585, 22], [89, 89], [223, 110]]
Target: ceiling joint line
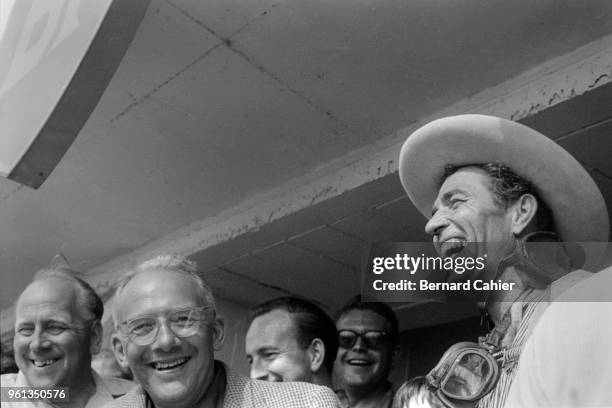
[[307, 232], [286, 85], [195, 20], [390, 202], [225, 40], [229, 43], [324, 256], [346, 233], [7, 196], [583, 129], [166, 82], [600, 172], [248, 23], [255, 281]]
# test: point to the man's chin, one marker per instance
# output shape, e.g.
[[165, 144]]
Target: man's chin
[[170, 393], [358, 379], [38, 380], [359, 382], [173, 388]]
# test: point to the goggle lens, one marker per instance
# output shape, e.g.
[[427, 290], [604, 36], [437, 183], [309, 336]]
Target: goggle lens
[[468, 377]]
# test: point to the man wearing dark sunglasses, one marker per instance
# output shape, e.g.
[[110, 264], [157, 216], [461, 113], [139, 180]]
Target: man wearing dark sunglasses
[[367, 349], [493, 188], [167, 330]]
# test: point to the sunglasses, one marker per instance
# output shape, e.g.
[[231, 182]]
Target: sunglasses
[[372, 339], [183, 323]]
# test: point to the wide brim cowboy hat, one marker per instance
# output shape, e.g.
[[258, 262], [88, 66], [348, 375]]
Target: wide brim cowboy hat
[[579, 209]]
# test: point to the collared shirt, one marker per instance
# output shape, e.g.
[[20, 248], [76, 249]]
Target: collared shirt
[[243, 392], [524, 316], [385, 402], [214, 399], [107, 389], [567, 361]]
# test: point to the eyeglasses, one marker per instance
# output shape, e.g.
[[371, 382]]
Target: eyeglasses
[[143, 331], [372, 339]]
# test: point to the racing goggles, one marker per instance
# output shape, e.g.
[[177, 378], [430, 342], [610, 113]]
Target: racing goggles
[[183, 323], [372, 339], [466, 372]]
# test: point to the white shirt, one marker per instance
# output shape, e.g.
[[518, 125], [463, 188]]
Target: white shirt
[[107, 389], [567, 361]]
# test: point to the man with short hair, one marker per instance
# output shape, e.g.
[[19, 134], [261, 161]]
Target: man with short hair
[[291, 339], [367, 349], [494, 188], [167, 331], [57, 329]]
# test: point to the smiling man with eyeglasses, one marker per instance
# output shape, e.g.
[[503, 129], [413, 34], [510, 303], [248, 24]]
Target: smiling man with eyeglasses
[[367, 349], [167, 331], [183, 323]]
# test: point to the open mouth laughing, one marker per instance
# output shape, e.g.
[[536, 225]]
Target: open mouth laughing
[[44, 363], [359, 362], [452, 246], [167, 365]]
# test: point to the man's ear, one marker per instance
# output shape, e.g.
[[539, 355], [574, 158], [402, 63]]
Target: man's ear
[[119, 349], [523, 212], [316, 352], [95, 334], [218, 333]]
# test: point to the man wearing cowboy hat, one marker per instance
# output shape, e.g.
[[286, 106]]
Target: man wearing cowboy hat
[[499, 185]]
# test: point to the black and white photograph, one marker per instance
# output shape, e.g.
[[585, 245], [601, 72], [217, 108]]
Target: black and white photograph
[[305, 203]]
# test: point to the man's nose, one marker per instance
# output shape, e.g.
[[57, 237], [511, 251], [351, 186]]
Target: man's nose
[[359, 344], [39, 341], [258, 371], [436, 223], [166, 339]]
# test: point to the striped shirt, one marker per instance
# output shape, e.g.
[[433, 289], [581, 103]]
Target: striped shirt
[[523, 317]]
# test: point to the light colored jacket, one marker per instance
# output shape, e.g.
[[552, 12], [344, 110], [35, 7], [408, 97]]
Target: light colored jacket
[[107, 388], [243, 392]]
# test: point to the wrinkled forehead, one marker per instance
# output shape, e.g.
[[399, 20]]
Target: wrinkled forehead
[[155, 291], [468, 175], [275, 322], [271, 330], [467, 180], [48, 296], [362, 320]]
